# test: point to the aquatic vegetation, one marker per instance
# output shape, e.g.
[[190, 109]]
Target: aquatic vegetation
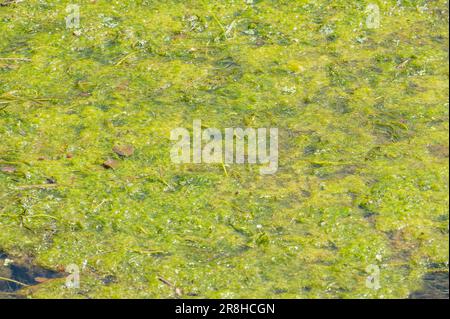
[[85, 170]]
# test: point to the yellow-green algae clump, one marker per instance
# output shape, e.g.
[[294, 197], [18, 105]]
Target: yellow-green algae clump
[[363, 119]]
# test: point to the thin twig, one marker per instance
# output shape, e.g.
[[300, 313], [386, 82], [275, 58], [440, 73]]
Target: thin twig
[[177, 290], [14, 281], [166, 282], [125, 57]]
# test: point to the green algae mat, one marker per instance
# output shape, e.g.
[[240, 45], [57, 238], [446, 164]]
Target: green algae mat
[[90, 92]]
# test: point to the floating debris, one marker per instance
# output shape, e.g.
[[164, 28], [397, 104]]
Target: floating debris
[[8, 169], [124, 150], [110, 164]]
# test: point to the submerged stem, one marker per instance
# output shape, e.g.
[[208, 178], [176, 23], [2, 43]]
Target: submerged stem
[[14, 281]]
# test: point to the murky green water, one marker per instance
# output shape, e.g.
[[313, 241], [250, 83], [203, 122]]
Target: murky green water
[[363, 167], [18, 274], [435, 287]]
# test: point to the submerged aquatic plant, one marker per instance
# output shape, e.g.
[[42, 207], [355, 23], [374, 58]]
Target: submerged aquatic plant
[[360, 199]]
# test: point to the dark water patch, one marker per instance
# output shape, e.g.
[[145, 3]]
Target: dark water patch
[[435, 286], [17, 273]]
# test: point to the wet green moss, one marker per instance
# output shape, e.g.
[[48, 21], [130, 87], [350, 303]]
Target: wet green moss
[[363, 118]]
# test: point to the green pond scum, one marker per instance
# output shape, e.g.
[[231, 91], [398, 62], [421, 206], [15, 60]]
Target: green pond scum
[[357, 209]]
